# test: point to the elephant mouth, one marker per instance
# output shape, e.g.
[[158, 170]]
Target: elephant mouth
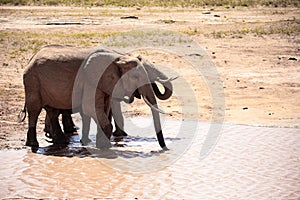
[[126, 99]]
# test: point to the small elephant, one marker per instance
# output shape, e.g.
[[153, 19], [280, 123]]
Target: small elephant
[[49, 85], [68, 124]]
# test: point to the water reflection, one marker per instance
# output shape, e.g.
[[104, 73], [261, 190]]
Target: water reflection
[[121, 148], [249, 162]]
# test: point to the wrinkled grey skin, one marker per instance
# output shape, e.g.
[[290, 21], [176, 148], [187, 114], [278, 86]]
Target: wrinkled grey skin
[[51, 59]]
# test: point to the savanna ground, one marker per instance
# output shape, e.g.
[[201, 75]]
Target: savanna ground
[[256, 50]]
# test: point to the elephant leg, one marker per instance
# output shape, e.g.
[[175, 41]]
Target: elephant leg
[[104, 127], [32, 121], [47, 127], [101, 138], [67, 121], [118, 118], [119, 131], [86, 121], [34, 107], [55, 129]]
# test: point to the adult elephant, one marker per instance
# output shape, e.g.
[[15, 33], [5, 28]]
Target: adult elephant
[[49, 82], [154, 75]]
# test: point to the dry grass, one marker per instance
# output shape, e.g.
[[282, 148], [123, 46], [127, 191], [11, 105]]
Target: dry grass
[[154, 3]]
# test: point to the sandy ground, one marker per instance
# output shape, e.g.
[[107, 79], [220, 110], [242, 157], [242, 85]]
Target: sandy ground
[[259, 72], [256, 156]]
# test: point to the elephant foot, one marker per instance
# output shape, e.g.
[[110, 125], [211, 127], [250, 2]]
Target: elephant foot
[[85, 141], [61, 139], [119, 132], [165, 148], [31, 140], [32, 143], [70, 130], [103, 145], [102, 142]]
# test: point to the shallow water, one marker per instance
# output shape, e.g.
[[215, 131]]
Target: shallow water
[[247, 163]]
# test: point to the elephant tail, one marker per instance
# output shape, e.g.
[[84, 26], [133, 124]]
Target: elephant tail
[[22, 115]]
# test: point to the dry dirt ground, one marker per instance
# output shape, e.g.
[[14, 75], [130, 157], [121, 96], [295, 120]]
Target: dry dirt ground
[[255, 50]]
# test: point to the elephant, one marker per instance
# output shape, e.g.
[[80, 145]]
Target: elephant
[[68, 124], [154, 75], [52, 74]]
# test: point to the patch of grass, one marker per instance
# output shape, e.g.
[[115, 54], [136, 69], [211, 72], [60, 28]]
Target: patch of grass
[[192, 31], [21, 45], [147, 38], [154, 3], [286, 27]]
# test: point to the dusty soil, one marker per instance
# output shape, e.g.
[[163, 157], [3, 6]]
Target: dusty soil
[[255, 50]]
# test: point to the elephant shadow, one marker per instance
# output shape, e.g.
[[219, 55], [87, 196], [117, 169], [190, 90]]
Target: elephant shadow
[[76, 149]]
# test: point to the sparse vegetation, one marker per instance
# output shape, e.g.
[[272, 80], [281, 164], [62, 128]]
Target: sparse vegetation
[[153, 3], [147, 37], [286, 27], [32, 41]]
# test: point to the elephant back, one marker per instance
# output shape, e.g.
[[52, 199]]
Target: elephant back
[[95, 64]]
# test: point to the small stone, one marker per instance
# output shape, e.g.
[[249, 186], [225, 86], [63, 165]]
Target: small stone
[[261, 88], [194, 54], [216, 15], [206, 13], [245, 108], [292, 58], [130, 17]]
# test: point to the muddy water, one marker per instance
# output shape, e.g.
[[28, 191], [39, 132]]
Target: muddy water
[[247, 163]]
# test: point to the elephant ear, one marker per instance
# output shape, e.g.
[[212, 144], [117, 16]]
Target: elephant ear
[[95, 65], [126, 63]]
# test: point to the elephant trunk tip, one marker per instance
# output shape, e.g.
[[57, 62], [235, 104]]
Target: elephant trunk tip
[[161, 141]]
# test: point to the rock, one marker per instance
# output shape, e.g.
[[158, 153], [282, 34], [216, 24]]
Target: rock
[[194, 54], [292, 58], [168, 21], [216, 15], [130, 17], [206, 13], [261, 88], [245, 108]]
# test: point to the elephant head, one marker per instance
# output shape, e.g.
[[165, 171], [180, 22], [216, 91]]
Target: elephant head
[[109, 75], [157, 76]]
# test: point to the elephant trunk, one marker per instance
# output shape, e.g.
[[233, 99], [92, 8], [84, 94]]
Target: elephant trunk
[[149, 97], [168, 90], [157, 76]]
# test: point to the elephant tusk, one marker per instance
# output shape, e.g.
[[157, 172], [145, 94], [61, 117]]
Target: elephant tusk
[[151, 106], [167, 80], [122, 99]]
